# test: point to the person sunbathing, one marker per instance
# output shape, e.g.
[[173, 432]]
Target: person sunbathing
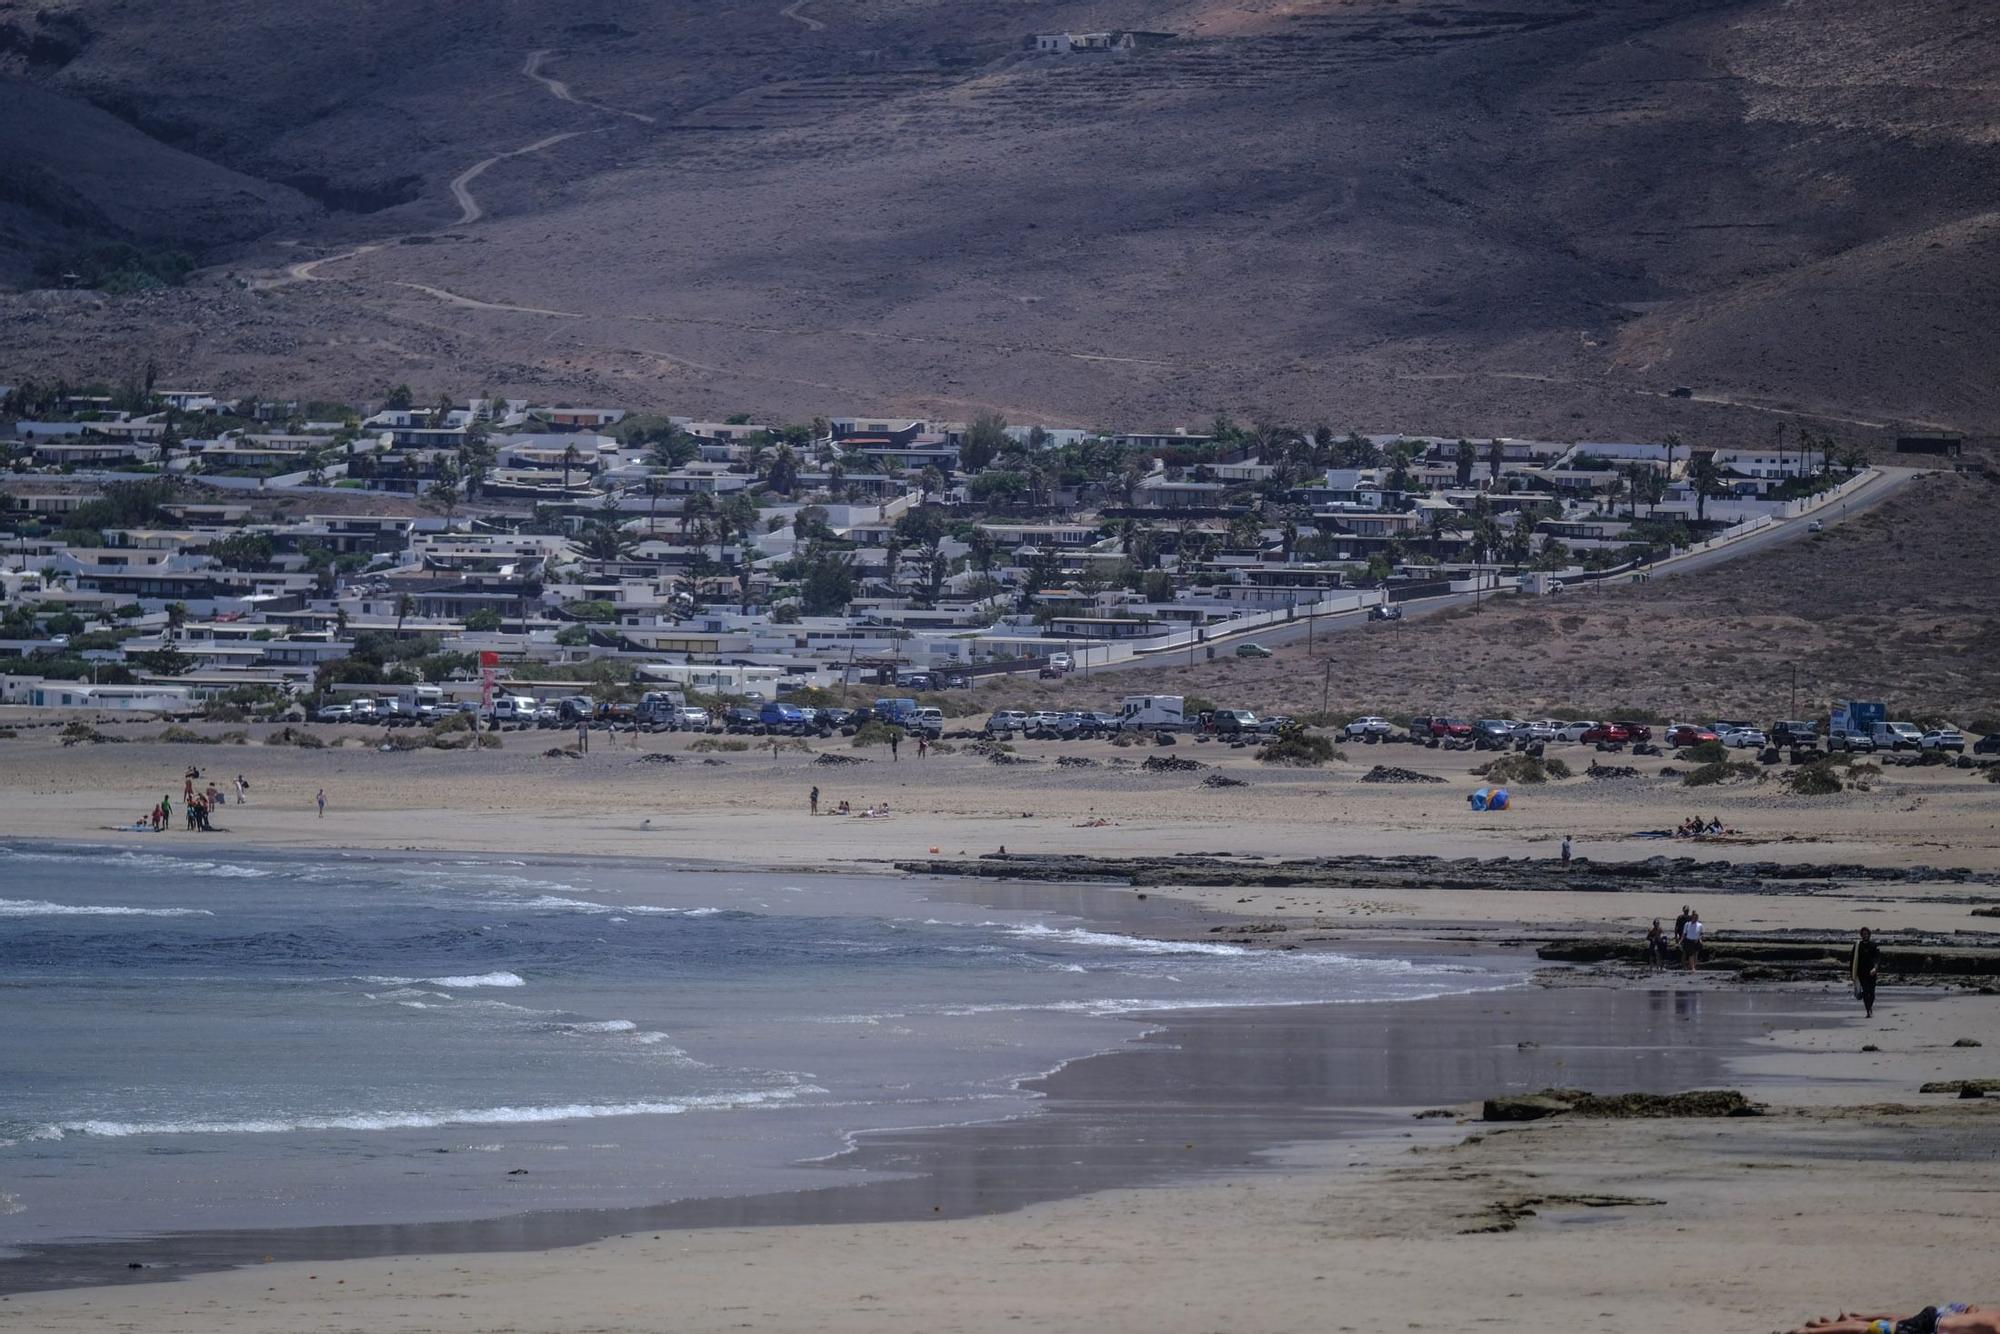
[[1946, 1318]]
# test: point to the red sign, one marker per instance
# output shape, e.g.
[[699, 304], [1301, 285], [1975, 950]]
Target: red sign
[[489, 667]]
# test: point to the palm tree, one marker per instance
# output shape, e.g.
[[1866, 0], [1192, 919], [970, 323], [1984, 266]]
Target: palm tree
[[1707, 482], [569, 460], [654, 488], [405, 604], [929, 482], [696, 517], [981, 549], [177, 615]]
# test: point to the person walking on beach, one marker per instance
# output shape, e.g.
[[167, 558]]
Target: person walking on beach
[[923, 745], [813, 800], [242, 789], [1656, 945], [320, 798], [1691, 941], [582, 737], [1866, 968], [1565, 852], [1680, 926], [895, 740]]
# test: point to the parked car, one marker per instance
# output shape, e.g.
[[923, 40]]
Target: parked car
[[335, 713], [1543, 730], [1573, 731], [1987, 745], [1385, 611], [1943, 738], [741, 718], [1745, 738], [1062, 662], [1794, 733], [1234, 722], [1252, 651], [955, 681], [1362, 728], [1638, 731], [577, 708], [1689, 734], [915, 681], [1456, 729], [835, 717], [1605, 734], [781, 717], [690, 718], [1275, 723], [1896, 736], [1493, 731], [1816, 526], [1094, 721], [514, 708], [1850, 739]]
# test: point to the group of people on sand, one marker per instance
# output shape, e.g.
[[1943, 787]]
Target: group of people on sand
[[1944, 1318], [198, 805], [1697, 827], [1685, 943], [869, 812]]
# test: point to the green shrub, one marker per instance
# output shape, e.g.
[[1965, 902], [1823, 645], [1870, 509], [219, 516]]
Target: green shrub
[[874, 734], [1814, 780], [1298, 748], [1708, 752], [710, 743], [1721, 771], [1522, 769], [184, 736]]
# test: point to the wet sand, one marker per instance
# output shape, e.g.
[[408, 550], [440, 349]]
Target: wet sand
[[1201, 1093]]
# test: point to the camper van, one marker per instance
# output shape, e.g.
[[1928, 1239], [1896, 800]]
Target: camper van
[[1152, 713]]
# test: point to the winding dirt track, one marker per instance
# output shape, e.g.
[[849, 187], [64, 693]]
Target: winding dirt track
[[558, 89], [791, 12], [470, 210]]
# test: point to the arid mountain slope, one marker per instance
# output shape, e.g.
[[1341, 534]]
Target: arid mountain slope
[[1529, 216]]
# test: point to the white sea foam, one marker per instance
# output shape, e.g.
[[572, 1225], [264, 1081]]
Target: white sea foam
[[604, 1026], [39, 908], [557, 903], [460, 983], [1134, 944], [422, 1120]]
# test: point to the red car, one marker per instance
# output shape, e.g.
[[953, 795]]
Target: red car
[[1614, 733], [1639, 731], [1687, 734], [1453, 727]]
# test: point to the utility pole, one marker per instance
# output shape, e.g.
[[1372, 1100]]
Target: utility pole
[[1795, 690], [1325, 682]]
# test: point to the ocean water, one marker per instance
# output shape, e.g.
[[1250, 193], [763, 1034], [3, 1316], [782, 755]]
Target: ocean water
[[201, 1038]]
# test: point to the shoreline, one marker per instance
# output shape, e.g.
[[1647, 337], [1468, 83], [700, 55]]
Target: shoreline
[[1760, 1207], [1165, 1107]]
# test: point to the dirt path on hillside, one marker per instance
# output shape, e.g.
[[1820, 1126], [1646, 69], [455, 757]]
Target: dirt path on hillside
[[791, 12], [560, 90], [470, 210]]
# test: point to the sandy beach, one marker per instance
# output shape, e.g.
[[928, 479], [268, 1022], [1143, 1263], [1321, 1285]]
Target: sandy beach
[[1856, 1189]]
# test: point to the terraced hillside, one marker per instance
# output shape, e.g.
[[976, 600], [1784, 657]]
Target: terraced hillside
[[1521, 216]]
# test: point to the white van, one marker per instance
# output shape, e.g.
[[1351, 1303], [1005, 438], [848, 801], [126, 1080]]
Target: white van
[[515, 708], [1152, 712]]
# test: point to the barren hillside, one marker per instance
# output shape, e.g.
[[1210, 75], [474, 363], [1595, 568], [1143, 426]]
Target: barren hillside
[[1895, 605], [1529, 216]]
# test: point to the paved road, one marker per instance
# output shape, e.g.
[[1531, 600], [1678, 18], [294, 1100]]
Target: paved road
[[1862, 499]]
